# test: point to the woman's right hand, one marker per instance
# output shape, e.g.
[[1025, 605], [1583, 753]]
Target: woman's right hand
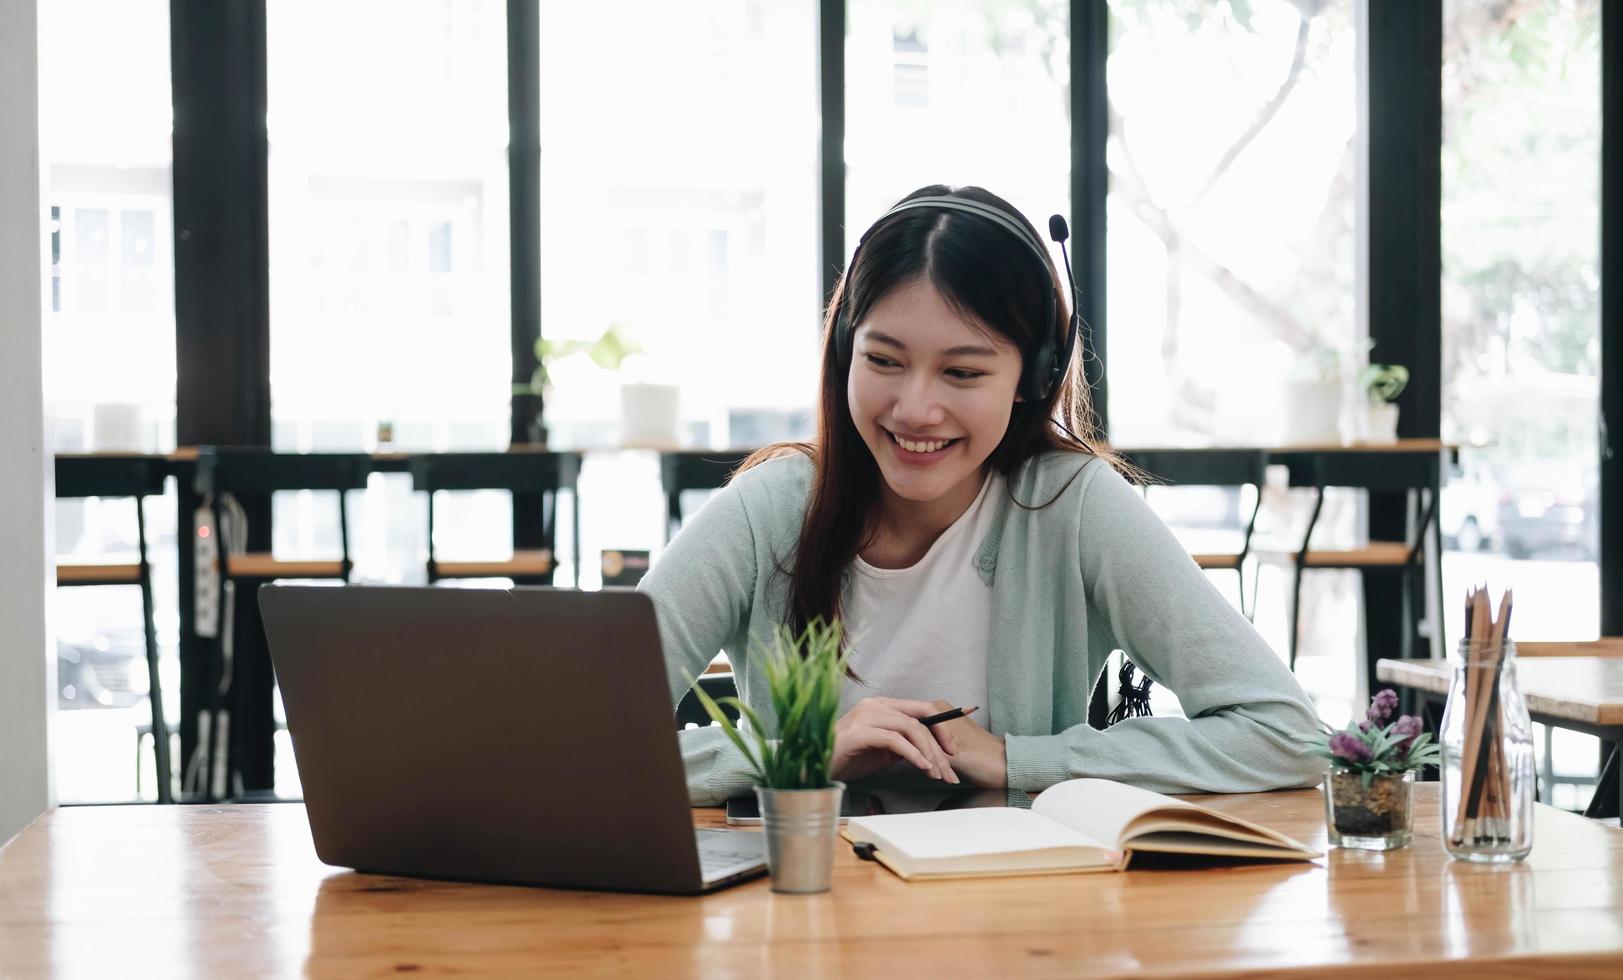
[[877, 732]]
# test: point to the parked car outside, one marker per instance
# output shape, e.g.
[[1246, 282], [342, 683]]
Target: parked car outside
[[1546, 513], [1469, 507]]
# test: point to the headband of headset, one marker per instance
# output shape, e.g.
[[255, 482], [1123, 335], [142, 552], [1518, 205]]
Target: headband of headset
[[1042, 368]]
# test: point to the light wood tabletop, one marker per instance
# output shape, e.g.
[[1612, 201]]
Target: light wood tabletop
[[238, 891], [1581, 689]]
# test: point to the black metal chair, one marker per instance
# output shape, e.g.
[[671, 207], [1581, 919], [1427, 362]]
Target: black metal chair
[[524, 472], [1417, 476], [1213, 468], [256, 473], [718, 684], [694, 470], [136, 477]]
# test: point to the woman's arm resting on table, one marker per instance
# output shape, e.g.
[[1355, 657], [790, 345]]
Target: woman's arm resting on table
[[1245, 709]]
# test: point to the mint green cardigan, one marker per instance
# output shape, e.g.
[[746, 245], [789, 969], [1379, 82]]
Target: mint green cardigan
[[1094, 572]]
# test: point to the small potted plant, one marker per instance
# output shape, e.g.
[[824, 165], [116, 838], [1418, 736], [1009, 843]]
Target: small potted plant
[[1367, 793], [607, 352], [1382, 384], [800, 804]]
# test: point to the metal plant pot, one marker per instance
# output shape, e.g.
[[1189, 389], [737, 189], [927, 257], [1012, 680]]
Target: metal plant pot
[[801, 826]]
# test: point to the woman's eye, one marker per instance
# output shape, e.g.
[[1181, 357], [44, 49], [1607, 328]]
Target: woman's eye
[[960, 374], [878, 361]]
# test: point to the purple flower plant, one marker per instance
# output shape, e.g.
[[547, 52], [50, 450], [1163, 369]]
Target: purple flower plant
[[1350, 748], [1407, 728], [1378, 742], [1381, 707]]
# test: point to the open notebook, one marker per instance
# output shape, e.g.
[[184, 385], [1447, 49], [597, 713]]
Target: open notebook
[[1077, 825]]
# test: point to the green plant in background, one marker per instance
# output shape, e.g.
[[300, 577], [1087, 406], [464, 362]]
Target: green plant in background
[[804, 674], [1383, 382], [607, 351]]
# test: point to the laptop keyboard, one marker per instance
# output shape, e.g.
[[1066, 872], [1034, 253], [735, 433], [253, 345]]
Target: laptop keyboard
[[729, 852]]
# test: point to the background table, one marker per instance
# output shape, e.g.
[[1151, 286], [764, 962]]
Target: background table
[[237, 890], [1584, 694]]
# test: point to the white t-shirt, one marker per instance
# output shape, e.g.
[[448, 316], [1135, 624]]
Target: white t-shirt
[[921, 632]]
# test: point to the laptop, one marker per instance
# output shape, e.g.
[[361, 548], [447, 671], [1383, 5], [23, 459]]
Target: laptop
[[523, 736]]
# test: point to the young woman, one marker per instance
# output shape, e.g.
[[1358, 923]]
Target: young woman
[[979, 546]]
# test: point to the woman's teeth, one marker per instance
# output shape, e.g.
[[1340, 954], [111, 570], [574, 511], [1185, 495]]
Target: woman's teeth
[[920, 447]]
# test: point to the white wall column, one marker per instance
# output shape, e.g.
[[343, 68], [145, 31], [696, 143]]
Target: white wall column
[[26, 668]]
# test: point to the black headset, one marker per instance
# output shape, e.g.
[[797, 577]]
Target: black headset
[[1044, 368]]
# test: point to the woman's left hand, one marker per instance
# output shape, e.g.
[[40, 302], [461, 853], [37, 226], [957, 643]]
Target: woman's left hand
[[980, 759]]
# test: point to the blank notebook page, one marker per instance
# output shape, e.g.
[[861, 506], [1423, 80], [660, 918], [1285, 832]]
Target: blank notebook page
[[962, 833]]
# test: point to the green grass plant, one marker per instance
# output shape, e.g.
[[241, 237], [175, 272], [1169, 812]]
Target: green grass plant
[[804, 673]]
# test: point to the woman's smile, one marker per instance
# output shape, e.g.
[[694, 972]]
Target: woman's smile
[[918, 450]]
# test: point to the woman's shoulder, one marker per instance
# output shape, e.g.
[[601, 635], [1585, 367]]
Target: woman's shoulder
[[775, 489], [1059, 474]]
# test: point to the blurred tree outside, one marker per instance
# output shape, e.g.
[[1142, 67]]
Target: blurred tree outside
[[1521, 189]]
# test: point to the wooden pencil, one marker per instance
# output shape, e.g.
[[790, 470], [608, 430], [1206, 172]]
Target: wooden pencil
[[1485, 791], [1478, 627]]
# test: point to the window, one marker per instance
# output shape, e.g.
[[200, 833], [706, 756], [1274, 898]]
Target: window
[[1232, 158], [1521, 317], [388, 224], [388, 257], [109, 369], [1233, 168], [679, 207], [957, 93], [679, 210]]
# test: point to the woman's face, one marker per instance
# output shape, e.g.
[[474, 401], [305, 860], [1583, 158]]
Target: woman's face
[[930, 393]]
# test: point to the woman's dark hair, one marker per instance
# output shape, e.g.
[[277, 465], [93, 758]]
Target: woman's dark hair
[[982, 272]]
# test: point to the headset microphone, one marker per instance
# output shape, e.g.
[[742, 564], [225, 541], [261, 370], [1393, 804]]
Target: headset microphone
[[1060, 232]]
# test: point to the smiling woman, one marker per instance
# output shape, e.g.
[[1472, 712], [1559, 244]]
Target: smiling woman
[[980, 546]]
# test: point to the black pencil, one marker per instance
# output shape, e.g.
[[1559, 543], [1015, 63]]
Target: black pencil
[[947, 716]]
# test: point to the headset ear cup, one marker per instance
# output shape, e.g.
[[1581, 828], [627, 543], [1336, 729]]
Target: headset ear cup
[[1037, 380]]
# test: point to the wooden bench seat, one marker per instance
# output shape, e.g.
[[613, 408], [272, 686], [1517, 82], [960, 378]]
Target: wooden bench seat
[[262, 565], [73, 573], [525, 562]]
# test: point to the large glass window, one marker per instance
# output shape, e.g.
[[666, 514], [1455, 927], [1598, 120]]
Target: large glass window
[[679, 210], [1521, 343], [109, 369], [957, 93], [679, 287], [105, 128], [388, 256], [388, 230], [1233, 166]]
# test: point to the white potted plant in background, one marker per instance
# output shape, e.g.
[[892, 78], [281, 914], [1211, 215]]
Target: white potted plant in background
[[1313, 396], [650, 410], [1382, 384], [608, 351], [800, 804]]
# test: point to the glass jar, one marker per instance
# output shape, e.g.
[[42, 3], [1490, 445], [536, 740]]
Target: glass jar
[[1371, 817], [1488, 770]]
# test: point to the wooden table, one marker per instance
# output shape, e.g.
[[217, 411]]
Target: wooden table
[[218, 891], [1584, 694]]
